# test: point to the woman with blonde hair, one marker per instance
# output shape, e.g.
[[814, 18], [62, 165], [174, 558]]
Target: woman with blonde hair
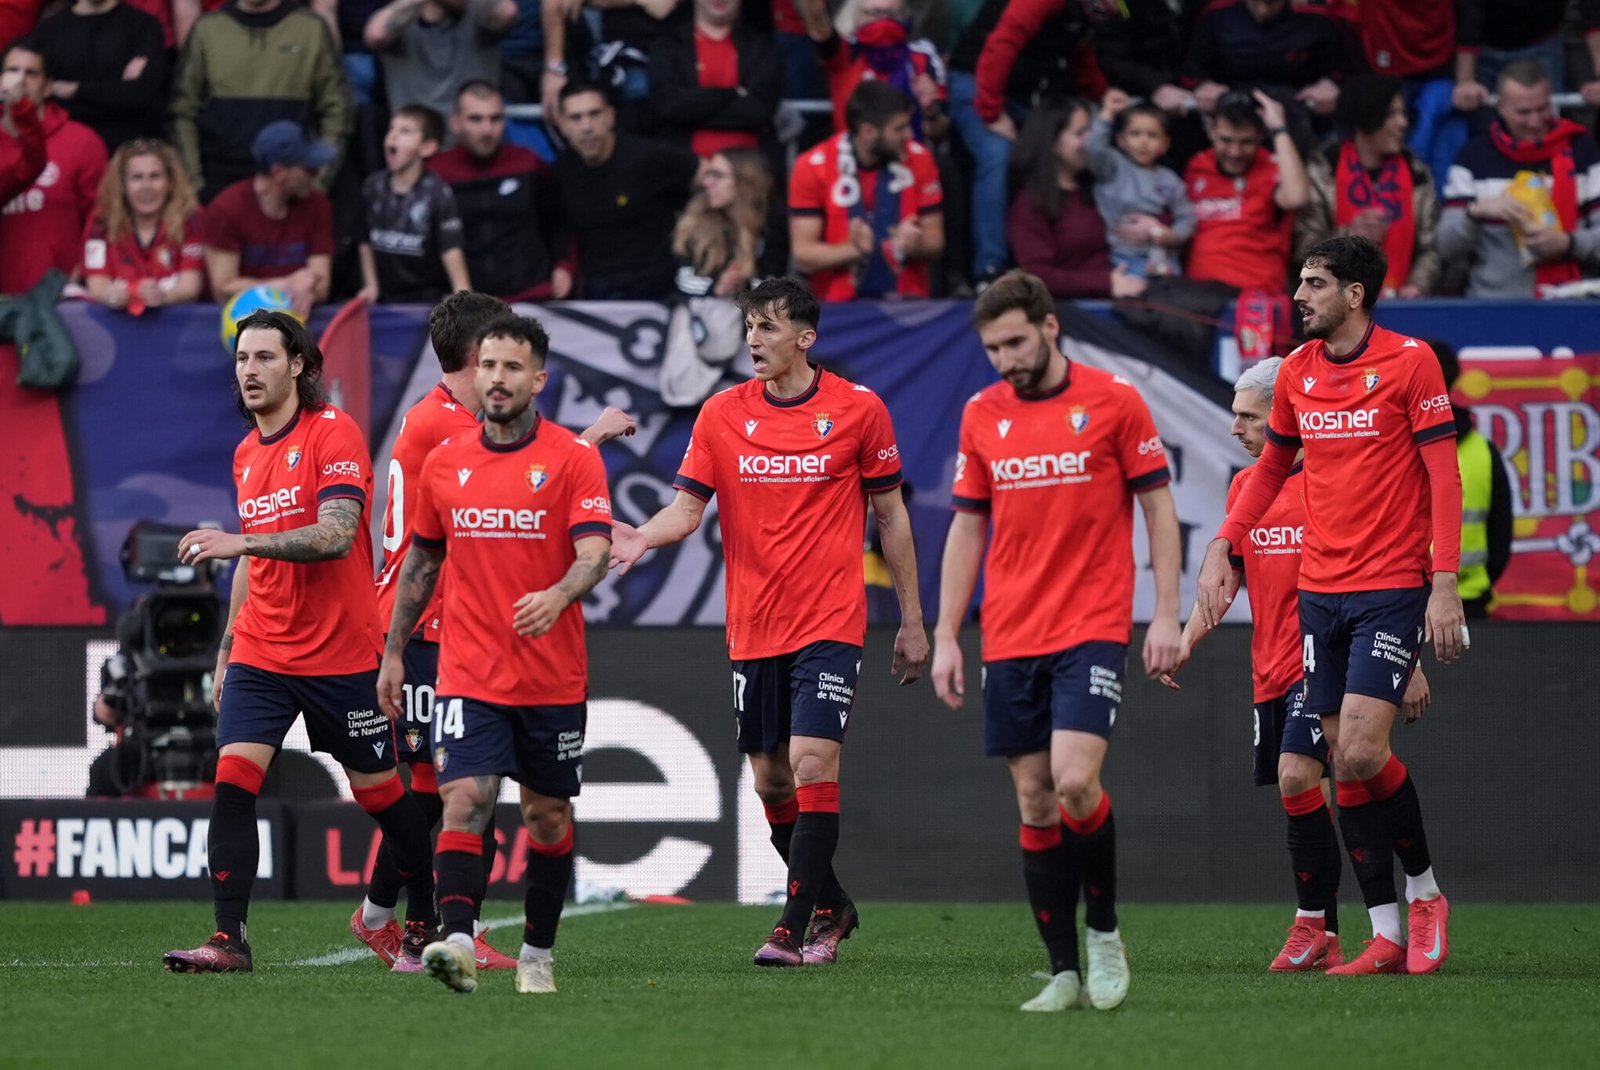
[[143, 246], [718, 237]]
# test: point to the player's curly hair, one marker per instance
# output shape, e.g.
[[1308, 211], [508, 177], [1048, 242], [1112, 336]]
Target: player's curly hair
[[297, 343], [1350, 259], [523, 329]]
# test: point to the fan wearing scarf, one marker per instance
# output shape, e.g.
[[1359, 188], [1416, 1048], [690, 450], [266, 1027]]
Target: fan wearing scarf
[[1370, 185], [864, 206], [880, 46], [1521, 200]]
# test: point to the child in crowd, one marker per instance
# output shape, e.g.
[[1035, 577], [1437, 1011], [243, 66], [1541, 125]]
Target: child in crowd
[[413, 250], [1147, 212]]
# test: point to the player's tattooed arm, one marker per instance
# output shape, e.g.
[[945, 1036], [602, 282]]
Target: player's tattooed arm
[[419, 574], [537, 611], [330, 538], [589, 569]]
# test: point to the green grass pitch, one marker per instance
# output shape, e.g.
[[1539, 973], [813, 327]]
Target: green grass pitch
[[920, 985]]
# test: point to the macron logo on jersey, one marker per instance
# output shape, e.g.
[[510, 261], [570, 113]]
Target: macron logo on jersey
[[750, 426], [1005, 428], [1349, 423], [329, 414], [1410, 343], [1309, 381], [463, 474]]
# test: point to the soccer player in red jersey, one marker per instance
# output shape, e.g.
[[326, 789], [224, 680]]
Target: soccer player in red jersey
[[1370, 411], [1052, 458], [449, 409], [1290, 749], [302, 631], [793, 456], [522, 511]]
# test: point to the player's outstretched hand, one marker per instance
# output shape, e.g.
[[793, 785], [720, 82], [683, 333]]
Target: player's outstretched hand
[[391, 687], [209, 544], [949, 671], [1446, 626], [627, 546], [1168, 678], [536, 611], [1216, 584], [1418, 696], [1162, 642], [613, 423], [910, 654]]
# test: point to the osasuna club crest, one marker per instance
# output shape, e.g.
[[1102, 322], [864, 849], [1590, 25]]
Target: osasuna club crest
[[1078, 419], [1369, 378], [292, 458], [414, 738], [537, 477], [822, 423]]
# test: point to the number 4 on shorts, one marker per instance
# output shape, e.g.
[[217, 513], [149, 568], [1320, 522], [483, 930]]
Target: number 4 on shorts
[[1308, 655]]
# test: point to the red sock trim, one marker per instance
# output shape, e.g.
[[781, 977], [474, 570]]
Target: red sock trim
[[1088, 826], [1352, 793], [822, 797], [470, 843], [1388, 780], [1307, 802], [424, 779], [379, 797], [784, 813], [241, 772], [1034, 838], [553, 850]]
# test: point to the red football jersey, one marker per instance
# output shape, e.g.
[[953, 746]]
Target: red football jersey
[[1241, 236], [818, 189], [1271, 562], [131, 261], [438, 416], [508, 516], [791, 477], [315, 618], [1361, 419], [1057, 473]]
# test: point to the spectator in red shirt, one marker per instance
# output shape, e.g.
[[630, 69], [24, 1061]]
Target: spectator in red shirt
[[22, 144], [42, 227], [864, 206], [716, 84], [1245, 196], [274, 228], [144, 246], [880, 46], [1054, 228]]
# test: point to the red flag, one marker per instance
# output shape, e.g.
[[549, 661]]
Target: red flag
[[346, 346]]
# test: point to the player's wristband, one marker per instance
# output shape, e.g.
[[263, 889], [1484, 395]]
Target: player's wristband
[[1273, 133]]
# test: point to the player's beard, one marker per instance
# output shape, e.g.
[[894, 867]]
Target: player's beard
[[1325, 325], [1029, 384]]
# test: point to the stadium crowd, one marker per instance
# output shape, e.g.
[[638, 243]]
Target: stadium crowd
[[194, 148]]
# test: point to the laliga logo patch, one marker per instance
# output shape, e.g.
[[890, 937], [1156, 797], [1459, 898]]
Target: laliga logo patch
[[537, 477], [1369, 378], [1078, 419], [292, 458], [822, 424]]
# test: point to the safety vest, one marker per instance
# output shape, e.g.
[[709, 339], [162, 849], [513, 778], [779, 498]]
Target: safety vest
[[1477, 482]]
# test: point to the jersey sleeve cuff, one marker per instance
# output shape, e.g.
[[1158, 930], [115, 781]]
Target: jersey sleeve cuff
[[419, 539], [1435, 433], [879, 484], [1277, 438], [1237, 562], [1233, 532], [341, 490], [693, 486], [589, 528], [1150, 480], [969, 505]]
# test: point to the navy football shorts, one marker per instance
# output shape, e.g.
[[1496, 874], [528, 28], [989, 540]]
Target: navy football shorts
[[415, 731], [1284, 727], [1074, 690], [1360, 643], [540, 747], [807, 693], [342, 715]]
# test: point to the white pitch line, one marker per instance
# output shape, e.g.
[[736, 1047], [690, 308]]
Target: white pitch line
[[355, 954]]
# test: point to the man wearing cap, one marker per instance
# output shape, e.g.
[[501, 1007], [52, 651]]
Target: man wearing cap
[[274, 228], [248, 64]]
